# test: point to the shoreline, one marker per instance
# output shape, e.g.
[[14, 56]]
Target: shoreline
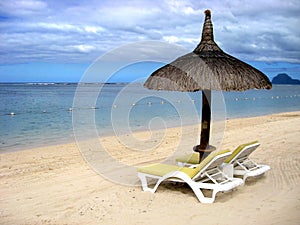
[[55, 185]]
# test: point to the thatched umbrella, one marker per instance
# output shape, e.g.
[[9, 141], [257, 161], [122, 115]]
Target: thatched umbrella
[[207, 68]]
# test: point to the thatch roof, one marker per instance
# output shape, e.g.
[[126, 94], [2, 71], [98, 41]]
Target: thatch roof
[[207, 68]]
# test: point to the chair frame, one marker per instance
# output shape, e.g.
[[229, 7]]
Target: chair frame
[[242, 164], [246, 167], [210, 177]]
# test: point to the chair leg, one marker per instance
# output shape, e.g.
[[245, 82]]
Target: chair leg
[[144, 182], [245, 177], [197, 190], [145, 186]]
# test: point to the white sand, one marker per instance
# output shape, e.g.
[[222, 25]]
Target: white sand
[[54, 185]]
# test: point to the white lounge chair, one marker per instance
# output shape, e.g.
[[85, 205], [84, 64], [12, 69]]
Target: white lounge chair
[[243, 165], [206, 175]]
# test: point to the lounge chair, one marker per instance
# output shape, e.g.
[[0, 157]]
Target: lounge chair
[[243, 165], [206, 175]]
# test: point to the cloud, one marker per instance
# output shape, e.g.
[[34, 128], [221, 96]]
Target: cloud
[[94, 29], [83, 48], [60, 31], [22, 7], [55, 26], [171, 39]]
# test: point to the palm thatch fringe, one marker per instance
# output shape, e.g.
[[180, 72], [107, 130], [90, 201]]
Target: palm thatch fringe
[[218, 71]]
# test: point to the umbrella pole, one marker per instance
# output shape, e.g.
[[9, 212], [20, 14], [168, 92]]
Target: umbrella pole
[[206, 117]]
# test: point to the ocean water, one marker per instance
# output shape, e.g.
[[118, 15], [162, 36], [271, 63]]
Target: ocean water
[[39, 114]]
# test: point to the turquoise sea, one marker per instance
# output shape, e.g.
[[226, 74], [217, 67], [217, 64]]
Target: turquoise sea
[[39, 114]]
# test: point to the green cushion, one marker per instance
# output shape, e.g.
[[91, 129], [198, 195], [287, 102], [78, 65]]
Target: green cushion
[[163, 169], [238, 149], [193, 158]]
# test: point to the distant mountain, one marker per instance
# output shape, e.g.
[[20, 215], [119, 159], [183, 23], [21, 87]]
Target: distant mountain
[[283, 78]]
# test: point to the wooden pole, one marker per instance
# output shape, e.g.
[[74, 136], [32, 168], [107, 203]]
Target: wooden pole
[[206, 117]]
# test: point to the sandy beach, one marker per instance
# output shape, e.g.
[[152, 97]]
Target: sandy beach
[[55, 185]]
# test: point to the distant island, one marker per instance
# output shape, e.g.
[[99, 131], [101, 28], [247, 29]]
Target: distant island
[[283, 78]]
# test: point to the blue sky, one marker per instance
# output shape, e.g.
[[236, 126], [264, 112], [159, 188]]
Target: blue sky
[[46, 40]]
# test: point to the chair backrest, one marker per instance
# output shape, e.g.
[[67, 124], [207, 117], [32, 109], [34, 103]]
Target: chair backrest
[[242, 151], [193, 158], [213, 160]]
